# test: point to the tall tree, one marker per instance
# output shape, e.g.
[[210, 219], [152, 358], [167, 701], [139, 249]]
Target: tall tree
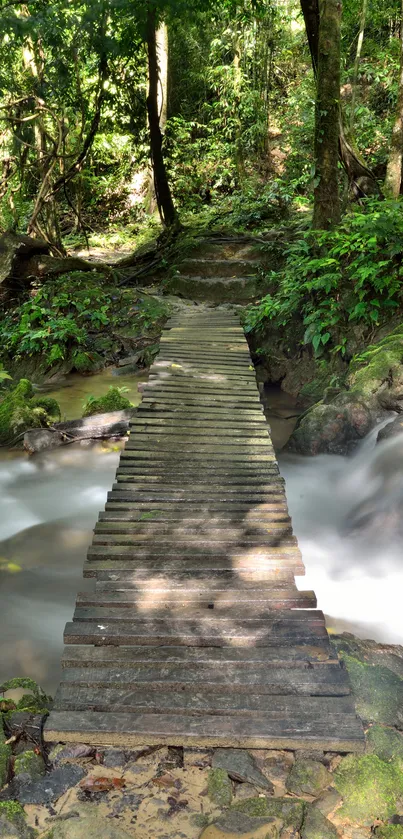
[[393, 179], [359, 175], [162, 189], [327, 117]]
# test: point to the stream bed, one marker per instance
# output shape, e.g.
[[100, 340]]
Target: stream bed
[[50, 502]]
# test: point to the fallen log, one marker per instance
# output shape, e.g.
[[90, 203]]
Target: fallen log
[[97, 427]]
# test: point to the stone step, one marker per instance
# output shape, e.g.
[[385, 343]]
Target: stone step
[[218, 289], [210, 267]]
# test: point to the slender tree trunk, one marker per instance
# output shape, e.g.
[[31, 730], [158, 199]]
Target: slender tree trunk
[[162, 190], [162, 58], [357, 61], [393, 179], [327, 117]]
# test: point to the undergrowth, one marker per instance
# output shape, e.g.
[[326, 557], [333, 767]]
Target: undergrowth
[[333, 280], [82, 317]]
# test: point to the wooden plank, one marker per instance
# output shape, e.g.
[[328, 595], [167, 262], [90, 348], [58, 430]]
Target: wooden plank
[[196, 456], [329, 731], [183, 436], [170, 427], [201, 413], [212, 632], [243, 483], [297, 656], [122, 518], [129, 492], [153, 596], [259, 680], [130, 570]]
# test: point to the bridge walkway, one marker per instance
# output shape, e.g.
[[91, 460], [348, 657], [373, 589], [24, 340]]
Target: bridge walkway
[[195, 633]]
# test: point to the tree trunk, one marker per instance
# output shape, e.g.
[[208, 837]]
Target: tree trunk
[[360, 177], [393, 179], [327, 117], [162, 190], [357, 61]]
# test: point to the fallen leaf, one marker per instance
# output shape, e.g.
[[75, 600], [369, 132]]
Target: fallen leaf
[[166, 781], [95, 784]]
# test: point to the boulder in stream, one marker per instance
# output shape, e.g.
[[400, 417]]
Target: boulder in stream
[[333, 428]]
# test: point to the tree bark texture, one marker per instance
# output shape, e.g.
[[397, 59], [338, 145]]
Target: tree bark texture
[[162, 190], [327, 117], [393, 179]]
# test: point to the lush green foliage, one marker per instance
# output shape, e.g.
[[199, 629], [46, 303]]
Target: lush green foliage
[[75, 318], [331, 281]]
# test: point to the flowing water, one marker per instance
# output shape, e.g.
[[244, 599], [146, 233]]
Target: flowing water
[[50, 502]]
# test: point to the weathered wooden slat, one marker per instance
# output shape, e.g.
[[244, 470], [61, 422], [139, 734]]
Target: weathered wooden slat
[[187, 525], [233, 457], [148, 482], [325, 681], [217, 413], [128, 571], [142, 700], [210, 632], [294, 731], [171, 428], [298, 656], [220, 537], [153, 596]]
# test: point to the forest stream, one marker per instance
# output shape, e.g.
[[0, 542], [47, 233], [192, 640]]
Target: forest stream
[[50, 502]]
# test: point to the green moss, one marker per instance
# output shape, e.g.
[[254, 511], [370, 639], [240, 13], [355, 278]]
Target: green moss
[[20, 410], [49, 405], [13, 402], [219, 787], [112, 401], [30, 763], [5, 754], [380, 362], [390, 831], [370, 787], [12, 810], [89, 362], [387, 743], [378, 692], [291, 811]]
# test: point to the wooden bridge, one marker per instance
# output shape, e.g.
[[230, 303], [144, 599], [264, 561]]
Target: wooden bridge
[[196, 633]]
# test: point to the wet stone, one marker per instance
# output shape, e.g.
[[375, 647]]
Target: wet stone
[[62, 753], [12, 822], [85, 825], [308, 777], [114, 758], [45, 790], [275, 765], [317, 826], [240, 766], [240, 826], [327, 802]]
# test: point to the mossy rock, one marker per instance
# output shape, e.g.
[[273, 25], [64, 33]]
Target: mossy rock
[[30, 763], [111, 401], [379, 363], [289, 810], [317, 826], [88, 362], [378, 692], [13, 401], [370, 787], [387, 743], [21, 410], [219, 787], [308, 777], [12, 821]]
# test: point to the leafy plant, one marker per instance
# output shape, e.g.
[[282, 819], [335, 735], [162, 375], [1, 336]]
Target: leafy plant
[[331, 281]]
